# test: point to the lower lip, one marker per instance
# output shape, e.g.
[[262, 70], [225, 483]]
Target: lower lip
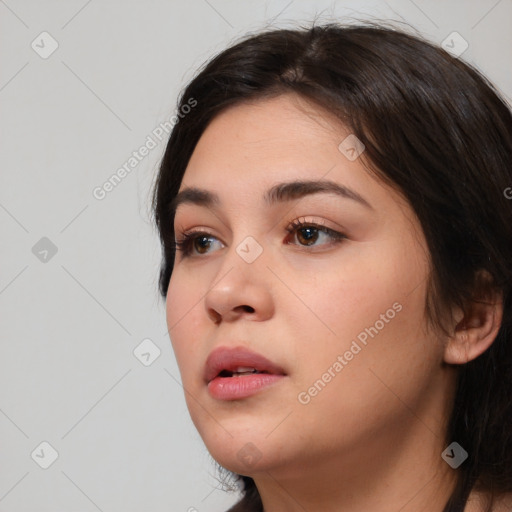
[[233, 388]]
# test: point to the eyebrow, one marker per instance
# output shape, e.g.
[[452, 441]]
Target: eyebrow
[[286, 191]]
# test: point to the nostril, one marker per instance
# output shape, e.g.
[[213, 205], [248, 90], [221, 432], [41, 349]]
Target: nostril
[[218, 316], [215, 316]]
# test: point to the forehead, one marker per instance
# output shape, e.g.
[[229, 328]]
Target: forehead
[[250, 147], [270, 139], [262, 121]]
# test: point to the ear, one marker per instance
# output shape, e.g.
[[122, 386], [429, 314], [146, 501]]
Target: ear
[[477, 328]]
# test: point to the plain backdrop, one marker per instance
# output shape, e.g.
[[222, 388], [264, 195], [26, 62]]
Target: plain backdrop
[[89, 386]]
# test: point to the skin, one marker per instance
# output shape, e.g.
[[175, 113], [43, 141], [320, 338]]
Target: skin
[[372, 438]]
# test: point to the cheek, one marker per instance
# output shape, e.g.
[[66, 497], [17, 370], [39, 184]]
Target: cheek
[[183, 310], [340, 299], [367, 281], [371, 313], [350, 388]]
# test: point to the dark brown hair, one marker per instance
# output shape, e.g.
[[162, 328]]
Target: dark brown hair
[[435, 129]]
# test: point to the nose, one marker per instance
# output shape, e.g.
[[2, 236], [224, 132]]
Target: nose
[[240, 290]]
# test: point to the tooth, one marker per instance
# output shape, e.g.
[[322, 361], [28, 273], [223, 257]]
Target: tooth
[[244, 370]]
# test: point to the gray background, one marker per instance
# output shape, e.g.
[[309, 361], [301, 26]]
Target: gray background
[[70, 321]]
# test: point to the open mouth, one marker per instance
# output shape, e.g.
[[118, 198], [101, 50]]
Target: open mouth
[[241, 371], [223, 363]]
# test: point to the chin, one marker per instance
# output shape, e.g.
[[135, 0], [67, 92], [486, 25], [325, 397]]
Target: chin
[[241, 446], [243, 457]]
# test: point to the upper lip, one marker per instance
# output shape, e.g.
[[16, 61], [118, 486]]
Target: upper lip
[[230, 358]]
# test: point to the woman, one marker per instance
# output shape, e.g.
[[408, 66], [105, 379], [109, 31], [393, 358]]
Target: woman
[[336, 229]]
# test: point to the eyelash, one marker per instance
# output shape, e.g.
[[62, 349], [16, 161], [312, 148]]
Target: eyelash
[[184, 244]]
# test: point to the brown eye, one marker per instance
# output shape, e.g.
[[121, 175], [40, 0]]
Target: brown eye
[[307, 236], [202, 244], [195, 244]]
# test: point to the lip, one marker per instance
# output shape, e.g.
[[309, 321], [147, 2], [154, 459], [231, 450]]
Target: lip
[[235, 387], [226, 358]]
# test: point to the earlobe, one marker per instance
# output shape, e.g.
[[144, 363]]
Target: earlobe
[[476, 330]]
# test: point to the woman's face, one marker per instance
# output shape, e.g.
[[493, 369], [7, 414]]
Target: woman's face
[[339, 312]]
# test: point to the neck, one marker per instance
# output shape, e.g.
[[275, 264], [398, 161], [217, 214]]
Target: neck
[[405, 473]]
